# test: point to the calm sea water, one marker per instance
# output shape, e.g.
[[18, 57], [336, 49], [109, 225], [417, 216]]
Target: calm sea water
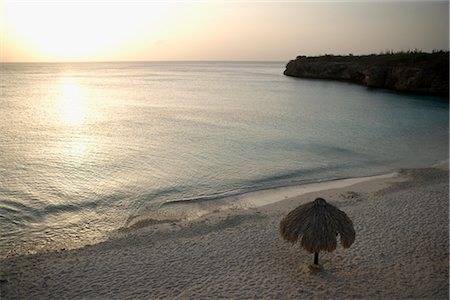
[[86, 147]]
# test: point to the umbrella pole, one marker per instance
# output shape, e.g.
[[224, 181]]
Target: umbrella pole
[[316, 258]]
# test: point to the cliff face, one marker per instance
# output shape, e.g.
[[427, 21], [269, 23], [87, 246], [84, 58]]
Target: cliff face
[[406, 72]]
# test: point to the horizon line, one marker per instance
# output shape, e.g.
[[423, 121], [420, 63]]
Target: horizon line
[[134, 61]]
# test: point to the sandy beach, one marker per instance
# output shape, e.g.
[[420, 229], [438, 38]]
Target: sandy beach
[[400, 252]]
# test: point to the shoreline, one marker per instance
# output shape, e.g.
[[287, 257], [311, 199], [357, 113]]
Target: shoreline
[[401, 251], [183, 213], [189, 211]]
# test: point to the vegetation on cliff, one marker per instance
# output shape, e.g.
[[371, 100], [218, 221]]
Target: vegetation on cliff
[[412, 71]]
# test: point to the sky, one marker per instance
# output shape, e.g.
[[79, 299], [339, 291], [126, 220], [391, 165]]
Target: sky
[[52, 31]]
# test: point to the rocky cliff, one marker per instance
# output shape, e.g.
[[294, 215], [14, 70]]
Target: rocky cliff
[[426, 73]]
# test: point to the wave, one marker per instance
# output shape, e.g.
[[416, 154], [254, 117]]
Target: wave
[[176, 208], [195, 206]]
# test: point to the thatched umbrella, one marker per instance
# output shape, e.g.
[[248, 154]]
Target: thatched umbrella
[[318, 223]]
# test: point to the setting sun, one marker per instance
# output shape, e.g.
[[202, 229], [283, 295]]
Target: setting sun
[[163, 149], [70, 31]]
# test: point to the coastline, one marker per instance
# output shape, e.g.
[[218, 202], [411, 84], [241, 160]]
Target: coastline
[[410, 72], [187, 211], [401, 250]]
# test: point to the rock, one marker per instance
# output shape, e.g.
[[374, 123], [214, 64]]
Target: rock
[[376, 76], [416, 72]]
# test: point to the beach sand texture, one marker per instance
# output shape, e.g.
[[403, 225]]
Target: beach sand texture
[[400, 251]]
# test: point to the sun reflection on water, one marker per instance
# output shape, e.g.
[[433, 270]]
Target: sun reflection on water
[[72, 108], [71, 113]]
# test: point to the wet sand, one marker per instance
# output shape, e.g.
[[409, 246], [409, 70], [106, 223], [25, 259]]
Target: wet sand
[[400, 252]]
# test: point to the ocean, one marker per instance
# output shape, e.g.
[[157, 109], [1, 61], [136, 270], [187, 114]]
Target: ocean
[[87, 148]]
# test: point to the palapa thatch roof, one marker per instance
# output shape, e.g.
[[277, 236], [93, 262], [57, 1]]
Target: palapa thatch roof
[[318, 223]]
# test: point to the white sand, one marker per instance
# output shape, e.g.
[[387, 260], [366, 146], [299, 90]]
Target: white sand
[[401, 251]]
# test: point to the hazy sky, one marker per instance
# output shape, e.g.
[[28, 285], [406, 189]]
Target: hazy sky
[[216, 30]]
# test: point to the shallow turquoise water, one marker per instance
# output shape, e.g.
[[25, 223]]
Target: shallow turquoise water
[[87, 146]]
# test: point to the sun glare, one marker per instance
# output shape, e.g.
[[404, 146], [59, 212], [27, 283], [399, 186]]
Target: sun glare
[[71, 31]]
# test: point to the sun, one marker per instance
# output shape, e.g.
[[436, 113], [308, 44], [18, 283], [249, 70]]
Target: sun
[[78, 31], [115, 30]]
